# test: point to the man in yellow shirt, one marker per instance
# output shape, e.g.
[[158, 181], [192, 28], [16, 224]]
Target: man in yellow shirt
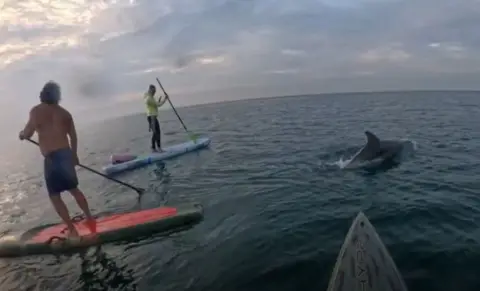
[[152, 114]]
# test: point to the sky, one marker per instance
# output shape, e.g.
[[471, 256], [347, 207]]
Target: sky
[[105, 53]]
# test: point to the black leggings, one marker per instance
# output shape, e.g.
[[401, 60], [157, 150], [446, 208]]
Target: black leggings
[[155, 128]]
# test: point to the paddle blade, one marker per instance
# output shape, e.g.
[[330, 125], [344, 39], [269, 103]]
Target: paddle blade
[[193, 137]]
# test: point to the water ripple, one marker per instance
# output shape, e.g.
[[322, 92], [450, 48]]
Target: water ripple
[[277, 205]]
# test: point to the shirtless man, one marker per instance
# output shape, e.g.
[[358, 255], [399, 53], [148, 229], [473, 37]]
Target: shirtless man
[[53, 124]]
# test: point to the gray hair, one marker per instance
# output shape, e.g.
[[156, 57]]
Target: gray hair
[[50, 93]]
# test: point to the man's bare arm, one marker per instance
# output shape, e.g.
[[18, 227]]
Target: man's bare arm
[[161, 102], [29, 129], [72, 133]]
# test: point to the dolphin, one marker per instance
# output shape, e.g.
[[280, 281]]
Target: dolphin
[[375, 151]]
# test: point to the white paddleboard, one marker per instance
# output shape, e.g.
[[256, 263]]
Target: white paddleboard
[[364, 263], [169, 152]]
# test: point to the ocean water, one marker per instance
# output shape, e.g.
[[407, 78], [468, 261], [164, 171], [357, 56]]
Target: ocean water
[[277, 203]]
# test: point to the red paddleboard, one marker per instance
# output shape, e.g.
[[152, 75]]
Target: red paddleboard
[[111, 228]]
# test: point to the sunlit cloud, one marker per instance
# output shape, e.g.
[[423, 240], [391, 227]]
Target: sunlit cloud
[[211, 60], [151, 70], [32, 27], [18, 50], [25, 14], [112, 35], [285, 71]]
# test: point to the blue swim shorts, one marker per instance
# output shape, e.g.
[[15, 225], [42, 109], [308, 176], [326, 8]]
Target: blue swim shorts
[[59, 171]]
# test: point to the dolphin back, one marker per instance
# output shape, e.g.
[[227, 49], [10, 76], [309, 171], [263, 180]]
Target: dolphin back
[[376, 150], [369, 151], [373, 142]]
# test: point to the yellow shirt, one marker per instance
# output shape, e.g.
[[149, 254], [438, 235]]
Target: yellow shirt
[[152, 105]]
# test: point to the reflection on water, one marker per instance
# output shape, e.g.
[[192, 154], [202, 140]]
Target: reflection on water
[[384, 166], [163, 176], [161, 171], [100, 272]]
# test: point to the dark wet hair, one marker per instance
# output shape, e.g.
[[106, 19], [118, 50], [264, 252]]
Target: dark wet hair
[[50, 93], [152, 88]]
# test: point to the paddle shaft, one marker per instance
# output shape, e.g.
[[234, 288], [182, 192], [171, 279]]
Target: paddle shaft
[[173, 107], [138, 190]]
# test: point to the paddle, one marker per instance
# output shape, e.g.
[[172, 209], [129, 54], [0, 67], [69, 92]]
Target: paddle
[[140, 191], [192, 136]]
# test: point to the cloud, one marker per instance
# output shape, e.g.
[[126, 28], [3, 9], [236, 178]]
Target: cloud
[[390, 54], [293, 52], [108, 49], [452, 50]]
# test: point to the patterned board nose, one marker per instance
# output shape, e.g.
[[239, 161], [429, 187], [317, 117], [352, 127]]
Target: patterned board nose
[[364, 263]]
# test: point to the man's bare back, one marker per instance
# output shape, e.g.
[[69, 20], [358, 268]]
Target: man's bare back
[[53, 124]]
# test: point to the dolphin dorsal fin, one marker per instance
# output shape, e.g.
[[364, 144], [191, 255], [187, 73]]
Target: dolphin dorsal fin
[[373, 142]]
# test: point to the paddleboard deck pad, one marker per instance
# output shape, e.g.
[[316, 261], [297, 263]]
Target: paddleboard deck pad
[[169, 152], [364, 262], [112, 228]]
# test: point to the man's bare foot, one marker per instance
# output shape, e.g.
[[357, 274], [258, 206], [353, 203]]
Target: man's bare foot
[[160, 150], [72, 232], [91, 224]]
